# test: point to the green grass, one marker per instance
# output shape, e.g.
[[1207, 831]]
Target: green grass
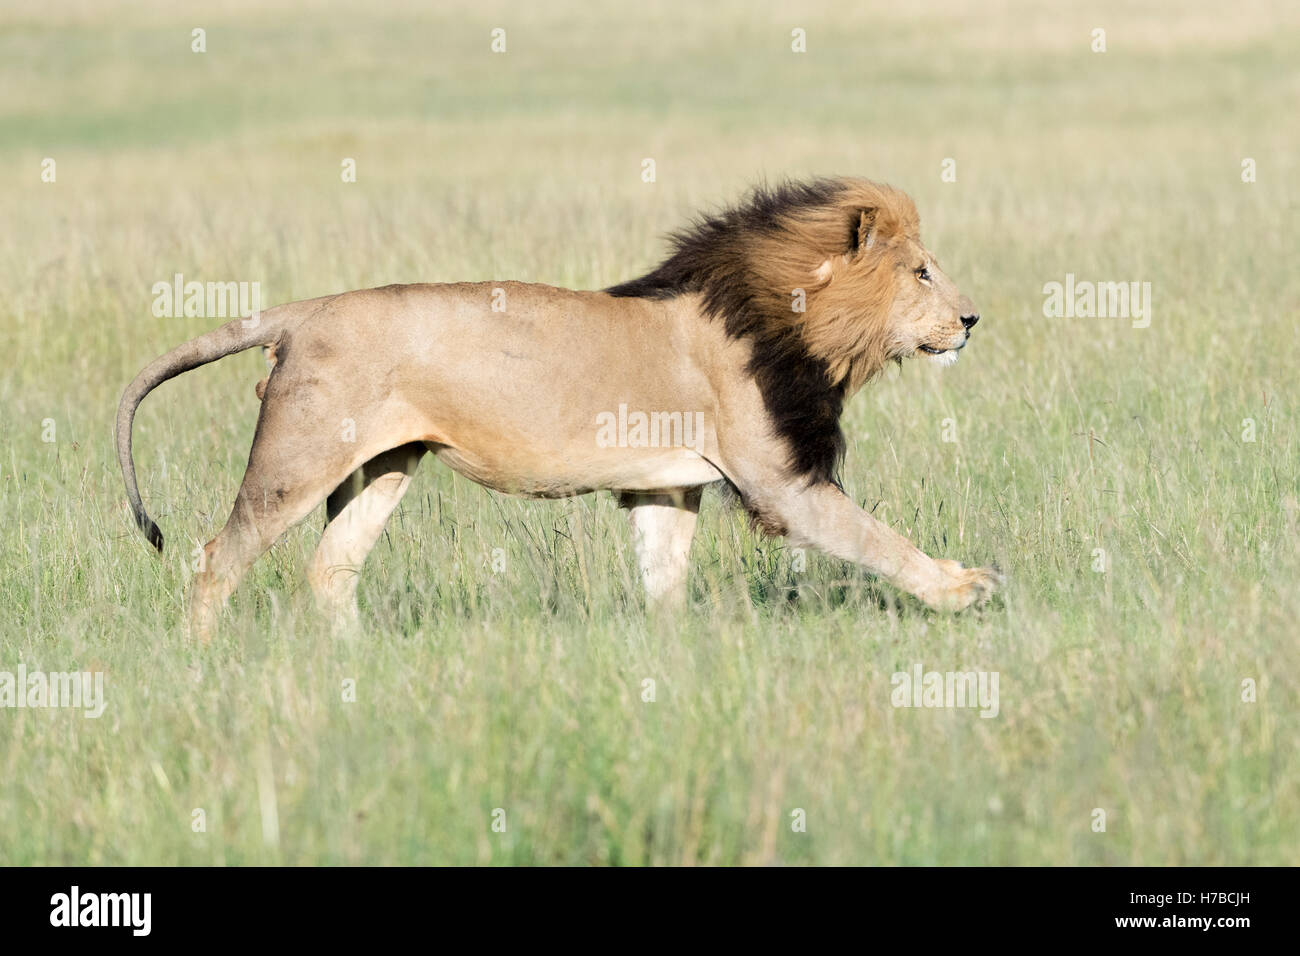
[[523, 689]]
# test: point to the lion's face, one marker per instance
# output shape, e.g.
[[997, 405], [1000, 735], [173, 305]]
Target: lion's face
[[885, 298], [928, 317]]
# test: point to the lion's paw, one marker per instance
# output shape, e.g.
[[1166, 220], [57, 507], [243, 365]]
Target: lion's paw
[[965, 587]]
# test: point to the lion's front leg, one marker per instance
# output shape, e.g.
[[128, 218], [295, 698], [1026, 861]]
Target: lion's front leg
[[823, 517], [663, 525]]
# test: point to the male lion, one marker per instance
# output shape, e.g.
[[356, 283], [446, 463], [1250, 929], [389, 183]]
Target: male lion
[[764, 319]]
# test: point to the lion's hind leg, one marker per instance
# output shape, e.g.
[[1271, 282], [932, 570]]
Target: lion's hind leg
[[270, 501], [297, 459], [357, 511], [663, 525]]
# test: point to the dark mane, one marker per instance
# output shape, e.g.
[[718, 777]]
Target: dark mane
[[725, 258]]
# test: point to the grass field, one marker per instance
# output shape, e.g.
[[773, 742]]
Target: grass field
[[1172, 448]]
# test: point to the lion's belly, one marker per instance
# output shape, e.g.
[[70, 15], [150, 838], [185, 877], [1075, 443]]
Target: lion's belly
[[556, 474]]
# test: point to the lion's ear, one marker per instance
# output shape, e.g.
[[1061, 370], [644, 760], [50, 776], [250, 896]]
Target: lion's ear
[[864, 235]]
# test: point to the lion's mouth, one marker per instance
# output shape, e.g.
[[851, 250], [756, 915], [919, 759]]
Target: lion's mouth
[[941, 356], [948, 353]]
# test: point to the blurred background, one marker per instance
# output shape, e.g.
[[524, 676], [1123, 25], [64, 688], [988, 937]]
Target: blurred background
[[1168, 157]]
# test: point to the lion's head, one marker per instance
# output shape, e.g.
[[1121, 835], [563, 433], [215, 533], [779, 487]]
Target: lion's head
[[829, 281], [872, 291], [886, 262]]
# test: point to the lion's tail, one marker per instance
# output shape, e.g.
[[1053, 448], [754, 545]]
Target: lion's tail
[[234, 336]]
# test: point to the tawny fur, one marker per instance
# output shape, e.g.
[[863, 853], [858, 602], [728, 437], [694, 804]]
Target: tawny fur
[[362, 385]]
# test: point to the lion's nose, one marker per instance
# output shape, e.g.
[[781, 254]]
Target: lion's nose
[[969, 320]]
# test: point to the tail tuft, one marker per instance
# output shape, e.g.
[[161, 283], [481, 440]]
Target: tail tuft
[[150, 529]]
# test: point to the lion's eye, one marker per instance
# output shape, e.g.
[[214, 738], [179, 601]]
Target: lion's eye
[[923, 274]]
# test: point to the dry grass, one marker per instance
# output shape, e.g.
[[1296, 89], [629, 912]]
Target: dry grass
[[522, 690]]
